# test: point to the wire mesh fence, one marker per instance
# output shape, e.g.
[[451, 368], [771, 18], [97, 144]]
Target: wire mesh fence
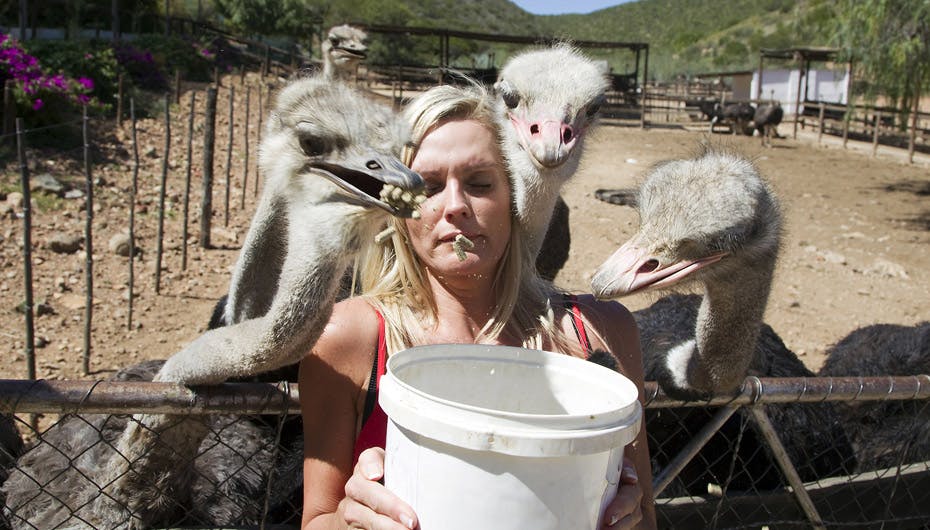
[[781, 453]]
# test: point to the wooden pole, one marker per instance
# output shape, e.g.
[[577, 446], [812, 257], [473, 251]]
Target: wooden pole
[[88, 247], [245, 145], [229, 147], [177, 87], [797, 99], [159, 241], [913, 136], [27, 250], [261, 100], [206, 201], [9, 107], [878, 121], [642, 115], [820, 121], [134, 190], [119, 101], [187, 181]]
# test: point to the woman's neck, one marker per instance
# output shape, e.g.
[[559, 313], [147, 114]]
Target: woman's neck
[[463, 309]]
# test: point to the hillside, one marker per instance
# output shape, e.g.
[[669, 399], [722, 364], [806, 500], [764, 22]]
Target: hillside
[[685, 36]]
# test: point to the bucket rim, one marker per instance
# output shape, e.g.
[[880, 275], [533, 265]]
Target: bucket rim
[[484, 428]]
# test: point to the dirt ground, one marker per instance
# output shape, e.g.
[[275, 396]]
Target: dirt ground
[[855, 253]]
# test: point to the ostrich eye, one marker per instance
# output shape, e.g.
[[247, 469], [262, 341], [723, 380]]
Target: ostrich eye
[[508, 94], [511, 99], [594, 107], [334, 41], [313, 146]]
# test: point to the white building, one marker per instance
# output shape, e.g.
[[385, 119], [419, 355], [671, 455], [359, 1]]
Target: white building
[[830, 86]]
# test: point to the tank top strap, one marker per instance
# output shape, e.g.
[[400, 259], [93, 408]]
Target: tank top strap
[[571, 304], [374, 420], [377, 370]]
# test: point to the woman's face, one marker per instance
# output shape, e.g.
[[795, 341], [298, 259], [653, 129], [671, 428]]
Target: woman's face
[[468, 193]]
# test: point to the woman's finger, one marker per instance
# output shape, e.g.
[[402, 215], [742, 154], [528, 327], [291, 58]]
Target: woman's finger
[[371, 505]]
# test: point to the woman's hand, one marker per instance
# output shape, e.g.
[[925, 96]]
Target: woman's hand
[[625, 511], [368, 504]]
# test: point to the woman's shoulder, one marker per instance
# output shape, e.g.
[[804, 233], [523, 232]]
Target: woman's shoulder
[[351, 335]]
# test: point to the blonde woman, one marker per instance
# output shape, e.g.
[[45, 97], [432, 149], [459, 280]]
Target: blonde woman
[[418, 290]]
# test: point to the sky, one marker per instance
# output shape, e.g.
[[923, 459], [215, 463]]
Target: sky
[[558, 7]]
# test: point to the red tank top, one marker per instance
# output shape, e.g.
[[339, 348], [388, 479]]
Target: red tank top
[[374, 422]]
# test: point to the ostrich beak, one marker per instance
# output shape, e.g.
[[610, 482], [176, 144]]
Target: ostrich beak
[[361, 178], [633, 268], [548, 141], [351, 51]]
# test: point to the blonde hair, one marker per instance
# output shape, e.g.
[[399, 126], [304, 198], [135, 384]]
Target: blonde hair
[[392, 276]]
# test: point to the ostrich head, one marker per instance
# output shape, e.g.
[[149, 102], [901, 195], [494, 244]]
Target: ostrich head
[[550, 97], [342, 50], [710, 221], [324, 129], [702, 220]]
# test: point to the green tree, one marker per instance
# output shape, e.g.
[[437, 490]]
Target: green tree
[[890, 41]]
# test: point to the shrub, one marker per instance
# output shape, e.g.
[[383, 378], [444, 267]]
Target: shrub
[[43, 98]]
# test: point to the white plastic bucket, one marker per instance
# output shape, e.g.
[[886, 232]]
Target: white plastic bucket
[[496, 437]]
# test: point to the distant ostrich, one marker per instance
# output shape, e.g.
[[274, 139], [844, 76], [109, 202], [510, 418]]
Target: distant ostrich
[[736, 115], [342, 50], [884, 433], [548, 99], [327, 153], [712, 221], [766, 120]]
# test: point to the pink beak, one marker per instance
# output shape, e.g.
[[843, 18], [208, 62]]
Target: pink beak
[[633, 268], [548, 141]]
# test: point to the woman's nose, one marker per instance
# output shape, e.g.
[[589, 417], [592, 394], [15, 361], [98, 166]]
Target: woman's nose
[[457, 204]]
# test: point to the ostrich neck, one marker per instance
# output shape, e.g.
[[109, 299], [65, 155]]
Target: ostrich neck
[[727, 327], [535, 189]]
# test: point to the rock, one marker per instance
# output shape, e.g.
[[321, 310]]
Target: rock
[[74, 194], [65, 244], [119, 245], [7, 211], [72, 301], [38, 310], [15, 199], [887, 268], [46, 182]]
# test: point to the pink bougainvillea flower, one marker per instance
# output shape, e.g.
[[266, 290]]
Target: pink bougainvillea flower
[[37, 104]]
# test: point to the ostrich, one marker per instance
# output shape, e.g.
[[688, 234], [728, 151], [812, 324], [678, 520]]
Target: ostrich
[[766, 120], [737, 115], [342, 50], [548, 99], [712, 221], [726, 240], [327, 153], [884, 433], [60, 476]]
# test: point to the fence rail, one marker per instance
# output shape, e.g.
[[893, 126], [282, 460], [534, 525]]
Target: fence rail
[[94, 413]]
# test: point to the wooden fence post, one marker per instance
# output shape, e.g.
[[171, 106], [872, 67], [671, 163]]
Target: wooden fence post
[[209, 136], [161, 196], [134, 190], [878, 122], [27, 250], [88, 247], [820, 121], [229, 147], [119, 101], [9, 107], [187, 182], [177, 87], [245, 144], [846, 119]]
